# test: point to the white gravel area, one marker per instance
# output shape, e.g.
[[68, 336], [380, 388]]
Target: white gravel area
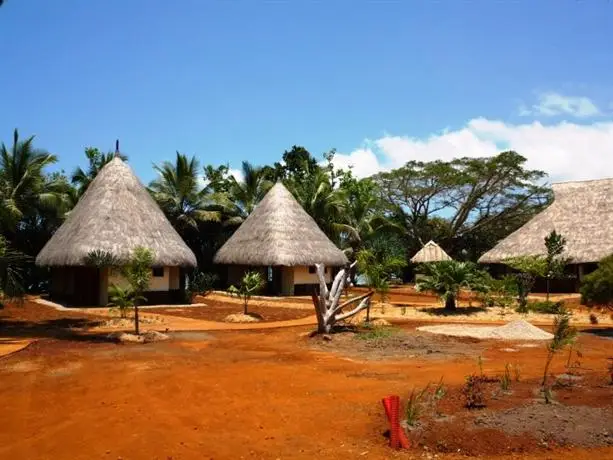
[[515, 330]]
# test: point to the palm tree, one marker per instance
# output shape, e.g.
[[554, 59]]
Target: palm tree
[[448, 277], [24, 188], [244, 195], [180, 196], [96, 161], [325, 204]]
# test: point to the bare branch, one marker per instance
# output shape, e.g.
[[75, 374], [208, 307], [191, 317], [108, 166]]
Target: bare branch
[[361, 306]]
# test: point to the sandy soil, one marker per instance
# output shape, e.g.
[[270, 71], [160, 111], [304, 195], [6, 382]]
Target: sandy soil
[[256, 394], [216, 310]]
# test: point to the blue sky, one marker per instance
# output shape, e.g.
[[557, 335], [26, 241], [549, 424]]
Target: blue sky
[[383, 82]]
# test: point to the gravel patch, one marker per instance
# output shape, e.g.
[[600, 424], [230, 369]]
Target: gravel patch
[[515, 330]]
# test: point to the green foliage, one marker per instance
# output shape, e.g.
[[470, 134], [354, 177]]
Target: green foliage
[[96, 161], [500, 293], [375, 333], [102, 259], [529, 267], [473, 392], [447, 278], [251, 283], [486, 199], [137, 271], [547, 307], [378, 268], [122, 299], [178, 193], [505, 380], [202, 282], [414, 407], [11, 271], [597, 287], [563, 335]]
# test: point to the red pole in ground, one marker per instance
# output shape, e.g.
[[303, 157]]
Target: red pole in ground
[[398, 438]]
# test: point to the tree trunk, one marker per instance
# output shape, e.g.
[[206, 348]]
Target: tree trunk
[[450, 303], [136, 326], [328, 307], [245, 306], [547, 297]]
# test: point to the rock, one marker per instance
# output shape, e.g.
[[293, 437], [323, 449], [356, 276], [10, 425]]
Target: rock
[[242, 318], [124, 337], [154, 336], [326, 337], [146, 337]]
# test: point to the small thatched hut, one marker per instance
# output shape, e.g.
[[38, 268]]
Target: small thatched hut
[[115, 215], [284, 242], [582, 212], [430, 252]]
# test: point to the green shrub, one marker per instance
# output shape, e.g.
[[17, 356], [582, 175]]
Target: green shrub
[[546, 306], [202, 282], [597, 287]]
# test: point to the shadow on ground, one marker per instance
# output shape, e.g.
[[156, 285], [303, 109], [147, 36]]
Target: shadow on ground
[[461, 311], [62, 329], [606, 332]]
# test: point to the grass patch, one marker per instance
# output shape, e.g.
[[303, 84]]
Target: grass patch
[[547, 307], [376, 333]]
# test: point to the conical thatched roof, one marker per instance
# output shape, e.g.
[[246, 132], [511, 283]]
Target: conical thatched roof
[[431, 252], [279, 232], [582, 212], [116, 214]]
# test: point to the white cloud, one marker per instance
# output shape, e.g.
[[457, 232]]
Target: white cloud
[[237, 173], [552, 104], [566, 151]]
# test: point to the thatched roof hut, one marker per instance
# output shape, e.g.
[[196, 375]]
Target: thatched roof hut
[[430, 252], [115, 215], [279, 233], [582, 212]]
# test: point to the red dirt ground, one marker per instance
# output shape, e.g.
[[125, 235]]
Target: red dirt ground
[[217, 311], [261, 394]]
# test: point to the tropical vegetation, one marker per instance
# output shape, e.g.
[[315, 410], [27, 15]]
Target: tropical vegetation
[[466, 204]]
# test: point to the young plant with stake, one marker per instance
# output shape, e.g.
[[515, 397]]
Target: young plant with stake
[[250, 284], [414, 407], [122, 299], [138, 272], [563, 334], [505, 380]]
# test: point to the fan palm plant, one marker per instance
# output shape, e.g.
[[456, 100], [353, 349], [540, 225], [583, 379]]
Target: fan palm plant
[[179, 194], [11, 267], [447, 278]]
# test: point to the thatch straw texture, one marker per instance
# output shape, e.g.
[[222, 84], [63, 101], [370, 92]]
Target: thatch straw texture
[[279, 232], [431, 252], [116, 214], [581, 211]]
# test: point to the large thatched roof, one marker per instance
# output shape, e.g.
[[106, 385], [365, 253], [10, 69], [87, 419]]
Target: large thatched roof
[[115, 215], [279, 232], [431, 252], [581, 211]]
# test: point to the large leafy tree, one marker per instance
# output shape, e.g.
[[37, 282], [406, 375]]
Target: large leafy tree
[[472, 202], [96, 160]]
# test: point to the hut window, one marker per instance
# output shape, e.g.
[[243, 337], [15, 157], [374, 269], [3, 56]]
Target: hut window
[[158, 272], [312, 269]]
